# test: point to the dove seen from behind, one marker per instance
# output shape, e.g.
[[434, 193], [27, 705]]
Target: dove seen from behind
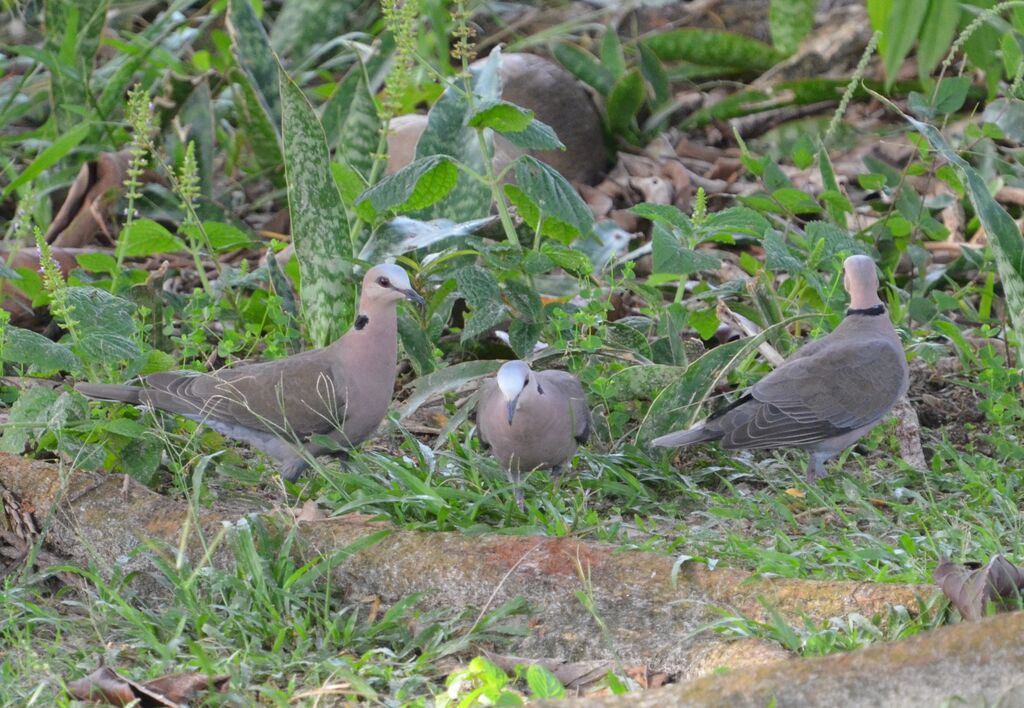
[[827, 395], [342, 391], [532, 420]]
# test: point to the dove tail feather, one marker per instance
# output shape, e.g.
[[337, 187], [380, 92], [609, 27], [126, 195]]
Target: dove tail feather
[[685, 437], [111, 392]]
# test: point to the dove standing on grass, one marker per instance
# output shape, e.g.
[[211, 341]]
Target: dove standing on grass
[[532, 419], [342, 390], [826, 396]]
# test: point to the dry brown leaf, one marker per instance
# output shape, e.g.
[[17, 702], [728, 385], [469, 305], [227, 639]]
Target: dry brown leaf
[[104, 685], [971, 586]]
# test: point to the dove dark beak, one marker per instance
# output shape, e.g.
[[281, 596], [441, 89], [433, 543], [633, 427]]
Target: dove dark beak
[[512, 409], [413, 296]]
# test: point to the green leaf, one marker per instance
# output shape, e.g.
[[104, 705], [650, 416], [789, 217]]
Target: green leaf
[[501, 116], [552, 195], [714, 48], [951, 94], [836, 240], [543, 684], [28, 415], [254, 55], [145, 237], [54, 152], [320, 228], [572, 260], [625, 101], [481, 292], [536, 136], [778, 256], [7, 272], [665, 214], [582, 64], [23, 346], [105, 325], [416, 186], [670, 256], [937, 31], [900, 31], [447, 134], [223, 237], [416, 344], [523, 336], [705, 322], [447, 379], [643, 383], [255, 126], [790, 21]]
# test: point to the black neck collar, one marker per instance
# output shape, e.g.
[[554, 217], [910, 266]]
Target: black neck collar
[[361, 321], [868, 311]]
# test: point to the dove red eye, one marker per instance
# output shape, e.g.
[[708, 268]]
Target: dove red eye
[[384, 282]]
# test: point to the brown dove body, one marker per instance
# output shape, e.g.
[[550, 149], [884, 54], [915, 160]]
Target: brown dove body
[[826, 396], [536, 421], [341, 391]]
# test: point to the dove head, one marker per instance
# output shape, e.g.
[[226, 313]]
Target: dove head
[[387, 283], [512, 378], [861, 281]]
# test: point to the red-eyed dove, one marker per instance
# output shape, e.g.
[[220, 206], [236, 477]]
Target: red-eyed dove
[[342, 390], [532, 419], [827, 395]]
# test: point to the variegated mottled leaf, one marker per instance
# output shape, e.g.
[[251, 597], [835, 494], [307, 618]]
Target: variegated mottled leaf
[[302, 24], [320, 228], [254, 124], [355, 124], [254, 55]]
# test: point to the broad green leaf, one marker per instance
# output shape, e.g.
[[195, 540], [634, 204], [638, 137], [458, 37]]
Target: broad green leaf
[[105, 325], [536, 136], [523, 336], [625, 100], [778, 256], [936, 35], [447, 379], [501, 116], [543, 684], [416, 186], [73, 30], [734, 220], [7, 272], [670, 256], [900, 31], [56, 151], [584, 66], [836, 240], [223, 237], [644, 382], [665, 214], [145, 237], [1003, 233], [23, 346], [28, 416], [254, 55], [447, 134], [481, 292], [566, 258], [714, 48], [320, 228], [552, 195], [951, 94], [415, 343], [790, 21]]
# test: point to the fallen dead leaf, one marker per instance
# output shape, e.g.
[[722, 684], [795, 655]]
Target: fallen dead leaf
[[971, 586], [104, 685]]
